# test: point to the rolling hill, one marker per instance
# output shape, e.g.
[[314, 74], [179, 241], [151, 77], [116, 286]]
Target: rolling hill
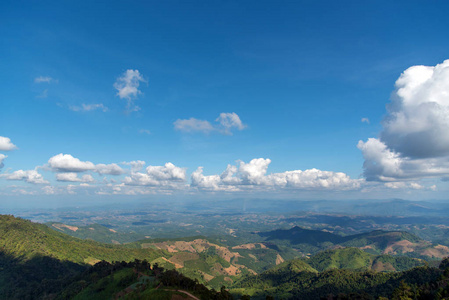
[[37, 262], [309, 242], [348, 270]]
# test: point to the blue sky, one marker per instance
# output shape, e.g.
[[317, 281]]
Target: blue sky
[[287, 93]]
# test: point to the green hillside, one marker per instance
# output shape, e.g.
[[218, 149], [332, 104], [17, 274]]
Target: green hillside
[[309, 242], [285, 284], [358, 260], [345, 258], [135, 280], [292, 266], [25, 240], [35, 260]]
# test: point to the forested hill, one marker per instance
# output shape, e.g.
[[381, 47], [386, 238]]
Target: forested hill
[[24, 239], [35, 259], [37, 262], [310, 242], [345, 274]]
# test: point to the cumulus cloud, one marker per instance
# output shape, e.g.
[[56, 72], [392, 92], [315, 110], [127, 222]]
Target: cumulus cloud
[[30, 176], [228, 121], [89, 107], [136, 165], [111, 169], [254, 175], [384, 164], [44, 79], [417, 124], [127, 87], [2, 158], [414, 141], [225, 123], [6, 145], [73, 177], [365, 120], [68, 163], [167, 175]]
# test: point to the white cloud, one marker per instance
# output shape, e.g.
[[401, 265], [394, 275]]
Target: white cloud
[[167, 175], [414, 142], [73, 177], [212, 182], [89, 107], [380, 162], [122, 189], [254, 171], [6, 145], [30, 176], [127, 87], [383, 164], [408, 186], [315, 179], [254, 175], [416, 186], [111, 169], [68, 163], [136, 165], [49, 190], [2, 158], [365, 120], [44, 79], [193, 125], [417, 124], [226, 123]]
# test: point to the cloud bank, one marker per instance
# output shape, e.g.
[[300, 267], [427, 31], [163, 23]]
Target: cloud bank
[[73, 177], [30, 176], [167, 175], [254, 175]]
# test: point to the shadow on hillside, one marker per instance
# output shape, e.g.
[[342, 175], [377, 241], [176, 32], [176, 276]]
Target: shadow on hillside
[[35, 278]]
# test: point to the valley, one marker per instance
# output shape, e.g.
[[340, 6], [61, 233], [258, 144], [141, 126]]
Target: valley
[[226, 249]]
